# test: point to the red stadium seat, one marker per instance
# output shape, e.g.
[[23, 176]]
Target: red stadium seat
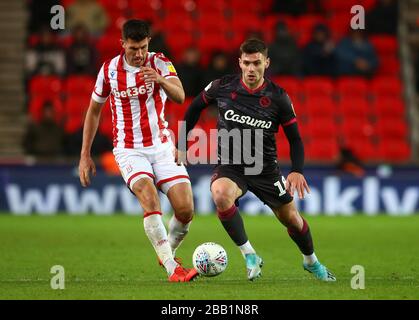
[[352, 87], [388, 66], [354, 108], [384, 44], [105, 125], [323, 150], [37, 102], [237, 6], [364, 149], [79, 85], [321, 128], [318, 86], [339, 25], [246, 22], [290, 84], [76, 106], [320, 108], [394, 150], [358, 129], [386, 86], [45, 86], [389, 108], [109, 45], [392, 129], [212, 42]]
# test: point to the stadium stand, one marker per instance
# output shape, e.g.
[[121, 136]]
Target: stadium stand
[[368, 114]]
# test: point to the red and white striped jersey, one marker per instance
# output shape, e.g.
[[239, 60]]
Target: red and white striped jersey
[[137, 108]]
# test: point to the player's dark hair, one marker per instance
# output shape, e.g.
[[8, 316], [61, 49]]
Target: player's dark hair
[[254, 45], [136, 30]]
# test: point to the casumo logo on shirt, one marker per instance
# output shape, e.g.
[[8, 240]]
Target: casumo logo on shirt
[[133, 91], [257, 123]]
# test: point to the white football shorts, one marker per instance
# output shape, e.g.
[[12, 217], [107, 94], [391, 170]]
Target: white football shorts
[[156, 163]]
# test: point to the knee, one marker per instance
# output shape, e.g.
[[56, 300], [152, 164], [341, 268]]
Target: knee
[[184, 211], [146, 195], [222, 199]]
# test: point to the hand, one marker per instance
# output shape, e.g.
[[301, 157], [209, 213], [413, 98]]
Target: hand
[[86, 165], [362, 64], [297, 182], [150, 75], [180, 157]]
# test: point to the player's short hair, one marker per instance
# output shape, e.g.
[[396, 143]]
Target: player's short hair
[[254, 45], [135, 29]]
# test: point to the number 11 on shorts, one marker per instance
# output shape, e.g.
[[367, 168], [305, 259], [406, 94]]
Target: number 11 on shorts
[[281, 186]]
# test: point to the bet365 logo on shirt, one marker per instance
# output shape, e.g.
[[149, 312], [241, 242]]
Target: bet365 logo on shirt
[[134, 91]]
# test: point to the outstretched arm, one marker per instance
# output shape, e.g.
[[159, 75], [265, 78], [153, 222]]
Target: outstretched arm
[[91, 123]]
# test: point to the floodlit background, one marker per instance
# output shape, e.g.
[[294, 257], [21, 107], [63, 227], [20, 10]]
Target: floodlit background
[[356, 98]]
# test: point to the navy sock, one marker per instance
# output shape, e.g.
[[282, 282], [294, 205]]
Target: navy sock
[[233, 224]]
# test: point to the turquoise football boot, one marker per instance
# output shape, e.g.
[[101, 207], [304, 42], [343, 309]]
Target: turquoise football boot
[[254, 264], [319, 271]]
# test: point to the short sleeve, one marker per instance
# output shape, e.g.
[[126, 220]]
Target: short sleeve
[[287, 114], [102, 87], [165, 66]]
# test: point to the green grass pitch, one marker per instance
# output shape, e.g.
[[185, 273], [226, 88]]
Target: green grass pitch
[[111, 258]]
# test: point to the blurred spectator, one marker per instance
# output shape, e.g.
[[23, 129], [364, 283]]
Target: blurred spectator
[[219, 66], [158, 43], [349, 163], [319, 54], [46, 57], [81, 54], [190, 72], [89, 13], [46, 137], [293, 7], [283, 52], [383, 18], [356, 55]]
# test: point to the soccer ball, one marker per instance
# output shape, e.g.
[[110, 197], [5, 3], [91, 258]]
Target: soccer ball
[[209, 259]]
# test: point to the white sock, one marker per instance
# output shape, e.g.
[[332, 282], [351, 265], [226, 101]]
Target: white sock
[[246, 248], [156, 233], [311, 259], [177, 232]]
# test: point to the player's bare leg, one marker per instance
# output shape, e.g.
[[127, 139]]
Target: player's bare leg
[[181, 199], [224, 193], [299, 232], [147, 195]]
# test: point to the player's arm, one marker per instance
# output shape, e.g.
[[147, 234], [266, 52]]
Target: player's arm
[[295, 180], [166, 76], [172, 86], [91, 123]]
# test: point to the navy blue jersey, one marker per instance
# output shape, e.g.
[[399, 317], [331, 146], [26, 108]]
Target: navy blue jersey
[[239, 107]]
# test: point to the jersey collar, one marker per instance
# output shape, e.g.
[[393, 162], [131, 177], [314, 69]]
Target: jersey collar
[[252, 91]]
